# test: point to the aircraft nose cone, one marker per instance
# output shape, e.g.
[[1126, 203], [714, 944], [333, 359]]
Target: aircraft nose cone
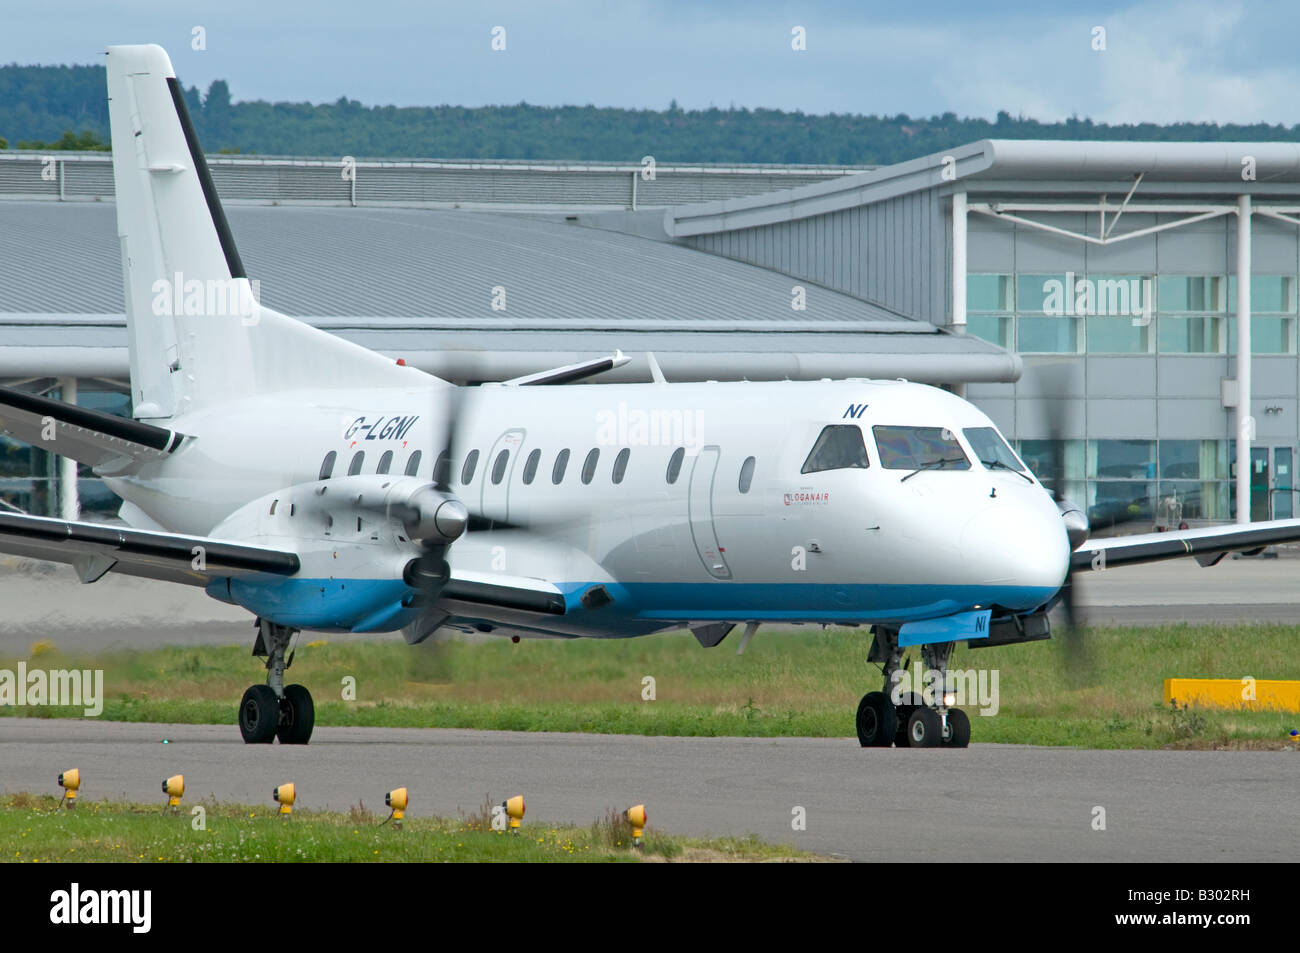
[[1019, 544]]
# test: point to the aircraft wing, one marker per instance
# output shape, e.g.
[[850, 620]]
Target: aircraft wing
[[1208, 545], [110, 444], [97, 548]]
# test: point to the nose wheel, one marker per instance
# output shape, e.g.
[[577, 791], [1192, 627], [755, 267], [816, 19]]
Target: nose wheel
[[903, 719]]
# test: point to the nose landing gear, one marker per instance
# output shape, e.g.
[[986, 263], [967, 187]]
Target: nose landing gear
[[903, 719], [276, 710]]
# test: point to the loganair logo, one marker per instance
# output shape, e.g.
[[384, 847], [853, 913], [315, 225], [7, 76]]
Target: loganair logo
[[381, 428], [854, 412], [807, 496]]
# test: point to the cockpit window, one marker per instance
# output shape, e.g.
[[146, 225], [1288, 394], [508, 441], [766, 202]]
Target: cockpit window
[[838, 447], [916, 448], [992, 450]]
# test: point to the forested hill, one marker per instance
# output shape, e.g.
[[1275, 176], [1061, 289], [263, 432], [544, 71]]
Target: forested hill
[[40, 104]]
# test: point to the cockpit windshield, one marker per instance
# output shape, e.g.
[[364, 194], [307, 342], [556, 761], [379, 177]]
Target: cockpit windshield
[[992, 450], [838, 447], [919, 448]]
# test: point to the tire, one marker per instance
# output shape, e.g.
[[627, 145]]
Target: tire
[[877, 721], [910, 702], [298, 716], [958, 729], [924, 729], [259, 715]]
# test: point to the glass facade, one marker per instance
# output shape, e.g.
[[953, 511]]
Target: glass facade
[[1147, 482], [1067, 313]]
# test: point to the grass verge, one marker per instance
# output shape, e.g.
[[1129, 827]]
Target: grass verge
[[34, 829]]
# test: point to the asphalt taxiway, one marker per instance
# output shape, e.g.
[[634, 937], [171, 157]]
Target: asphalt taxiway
[[988, 802]]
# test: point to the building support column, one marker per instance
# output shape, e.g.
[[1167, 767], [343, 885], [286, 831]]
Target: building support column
[[958, 321], [69, 501], [1245, 422]]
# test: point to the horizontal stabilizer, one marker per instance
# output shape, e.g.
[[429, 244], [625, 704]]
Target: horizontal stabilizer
[[97, 548], [109, 444]]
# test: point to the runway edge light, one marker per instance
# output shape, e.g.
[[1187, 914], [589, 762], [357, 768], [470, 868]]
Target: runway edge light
[[284, 796], [70, 781], [174, 788], [636, 817], [514, 808], [396, 799]]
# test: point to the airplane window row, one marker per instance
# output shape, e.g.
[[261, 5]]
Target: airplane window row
[[501, 463]]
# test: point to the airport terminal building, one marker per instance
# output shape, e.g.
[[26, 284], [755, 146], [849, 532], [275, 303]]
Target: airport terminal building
[[1086, 293]]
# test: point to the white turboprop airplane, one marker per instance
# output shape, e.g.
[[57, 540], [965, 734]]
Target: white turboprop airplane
[[299, 476]]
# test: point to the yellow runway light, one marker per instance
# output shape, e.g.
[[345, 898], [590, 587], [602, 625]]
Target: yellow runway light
[[70, 781], [396, 799], [636, 817], [284, 796], [174, 788], [514, 808]]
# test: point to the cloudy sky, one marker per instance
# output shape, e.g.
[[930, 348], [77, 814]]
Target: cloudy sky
[[1163, 60]]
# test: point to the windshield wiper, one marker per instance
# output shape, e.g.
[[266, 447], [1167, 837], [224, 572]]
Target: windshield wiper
[[936, 464], [999, 465]]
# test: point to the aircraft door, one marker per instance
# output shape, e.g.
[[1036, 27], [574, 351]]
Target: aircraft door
[[700, 503], [495, 499]]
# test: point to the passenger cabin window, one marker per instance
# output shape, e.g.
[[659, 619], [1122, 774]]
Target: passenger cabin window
[[499, 467], [620, 465], [442, 468], [530, 466], [561, 463], [358, 458], [385, 462], [413, 464], [467, 471], [675, 464], [838, 447], [327, 465], [746, 474], [992, 450], [589, 465], [919, 448]]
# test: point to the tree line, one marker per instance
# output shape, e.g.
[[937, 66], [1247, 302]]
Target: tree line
[[65, 107]]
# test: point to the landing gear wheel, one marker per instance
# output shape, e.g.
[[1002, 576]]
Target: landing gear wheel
[[958, 734], [924, 728], [877, 721], [259, 714], [910, 702], [297, 716]]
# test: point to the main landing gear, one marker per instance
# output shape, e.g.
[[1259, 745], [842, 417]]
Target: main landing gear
[[909, 723], [276, 710]]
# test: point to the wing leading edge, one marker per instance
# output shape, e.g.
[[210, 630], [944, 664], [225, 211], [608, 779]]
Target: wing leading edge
[[97, 548], [1208, 545]]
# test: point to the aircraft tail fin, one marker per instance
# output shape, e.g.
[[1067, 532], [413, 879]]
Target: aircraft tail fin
[[197, 332]]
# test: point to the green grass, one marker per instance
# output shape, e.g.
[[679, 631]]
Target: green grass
[[794, 682], [34, 829]]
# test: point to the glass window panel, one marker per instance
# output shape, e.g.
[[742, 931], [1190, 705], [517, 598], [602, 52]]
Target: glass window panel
[[413, 464], [561, 463], [1116, 502], [1033, 292], [1268, 293], [1190, 293], [988, 293], [589, 466], [1122, 459], [991, 450], [910, 448], [746, 475], [1117, 295], [1181, 500], [467, 471], [1267, 335], [620, 465], [838, 447], [530, 466], [1118, 335], [675, 465], [991, 327], [1047, 335], [1191, 335]]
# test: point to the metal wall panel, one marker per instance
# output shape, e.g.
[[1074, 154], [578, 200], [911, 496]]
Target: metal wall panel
[[1191, 419], [1121, 376]]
